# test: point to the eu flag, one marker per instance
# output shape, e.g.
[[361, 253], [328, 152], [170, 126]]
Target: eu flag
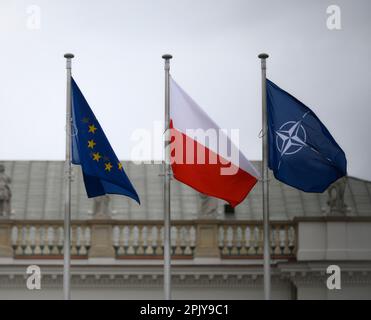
[[103, 172], [302, 152]]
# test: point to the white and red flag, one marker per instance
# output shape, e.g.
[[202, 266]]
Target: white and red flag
[[203, 156]]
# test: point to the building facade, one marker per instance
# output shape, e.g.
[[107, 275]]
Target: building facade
[[117, 245]]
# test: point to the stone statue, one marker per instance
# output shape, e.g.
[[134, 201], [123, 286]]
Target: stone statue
[[209, 206], [5, 193], [101, 207], [335, 200]]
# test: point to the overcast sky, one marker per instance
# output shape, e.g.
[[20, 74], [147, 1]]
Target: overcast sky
[[118, 46]]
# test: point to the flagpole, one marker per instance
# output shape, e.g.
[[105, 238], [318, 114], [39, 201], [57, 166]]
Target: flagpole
[[267, 258], [67, 205], [167, 172]]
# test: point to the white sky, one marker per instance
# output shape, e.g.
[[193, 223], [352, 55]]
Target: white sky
[[118, 66]]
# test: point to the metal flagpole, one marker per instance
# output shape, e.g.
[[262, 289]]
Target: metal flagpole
[[167, 173], [67, 205], [267, 258]]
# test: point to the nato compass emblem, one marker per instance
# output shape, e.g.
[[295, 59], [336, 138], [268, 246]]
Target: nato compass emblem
[[291, 137]]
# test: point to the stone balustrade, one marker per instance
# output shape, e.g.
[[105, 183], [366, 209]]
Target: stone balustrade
[[148, 240], [239, 239], [40, 239], [145, 239]]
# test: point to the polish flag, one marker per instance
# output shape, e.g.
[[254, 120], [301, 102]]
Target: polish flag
[[202, 155]]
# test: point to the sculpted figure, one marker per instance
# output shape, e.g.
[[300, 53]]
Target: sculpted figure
[[209, 206], [5, 193], [101, 207], [336, 202]]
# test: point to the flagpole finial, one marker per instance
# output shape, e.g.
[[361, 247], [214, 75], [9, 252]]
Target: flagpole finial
[[69, 56], [263, 56], [167, 56]]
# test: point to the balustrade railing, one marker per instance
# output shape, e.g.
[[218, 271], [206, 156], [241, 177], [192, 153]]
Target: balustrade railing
[[145, 239], [246, 239], [148, 240], [47, 240]]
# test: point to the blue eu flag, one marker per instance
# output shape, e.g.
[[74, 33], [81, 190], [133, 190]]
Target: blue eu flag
[[103, 172], [302, 152]]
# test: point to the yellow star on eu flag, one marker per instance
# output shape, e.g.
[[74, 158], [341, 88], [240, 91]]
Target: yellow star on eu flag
[[92, 128], [91, 144], [108, 166], [96, 156], [120, 165]]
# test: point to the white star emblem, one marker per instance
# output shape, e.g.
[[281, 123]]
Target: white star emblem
[[291, 138]]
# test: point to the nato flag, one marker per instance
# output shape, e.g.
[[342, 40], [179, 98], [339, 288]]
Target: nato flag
[[302, 152], [103, 172]]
